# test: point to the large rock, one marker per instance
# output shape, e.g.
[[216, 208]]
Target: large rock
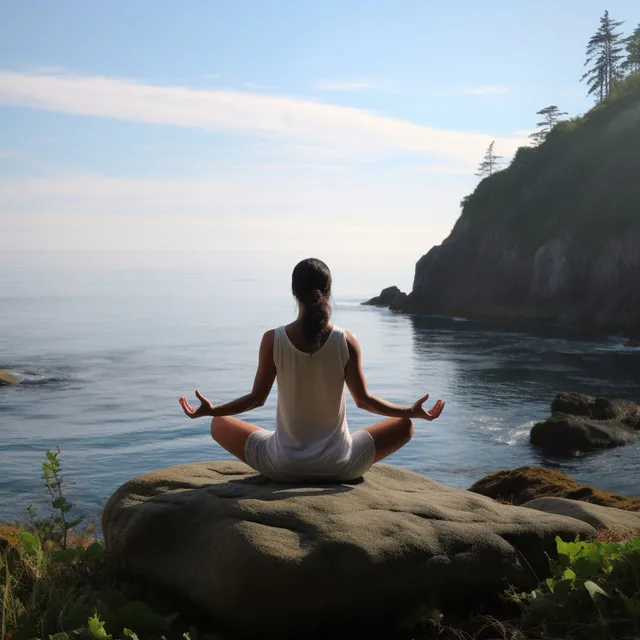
[[268, 558], [7, 378], [597, 516], [581, 423], [386, 298], [521, 485]]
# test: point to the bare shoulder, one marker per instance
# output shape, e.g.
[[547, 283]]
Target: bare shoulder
[[352, 341], [268, 338]]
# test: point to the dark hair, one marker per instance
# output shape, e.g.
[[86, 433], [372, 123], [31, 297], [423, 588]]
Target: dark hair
[[311, 285]]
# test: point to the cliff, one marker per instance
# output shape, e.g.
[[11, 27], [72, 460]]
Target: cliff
[[555, 236]]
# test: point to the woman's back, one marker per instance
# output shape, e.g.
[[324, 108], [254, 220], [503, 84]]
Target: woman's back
[[311, 420]]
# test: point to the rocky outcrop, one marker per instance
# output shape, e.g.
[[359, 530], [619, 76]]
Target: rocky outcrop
[[521, 485], [7, 378], [554, 237], [390, 297], [269, 559], [597, 516], [581, 423]]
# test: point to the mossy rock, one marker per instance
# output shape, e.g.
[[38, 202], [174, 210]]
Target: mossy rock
[[517, 486]]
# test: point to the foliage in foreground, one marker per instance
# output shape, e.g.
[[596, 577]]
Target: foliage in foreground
[[593, 592], [58, 584]]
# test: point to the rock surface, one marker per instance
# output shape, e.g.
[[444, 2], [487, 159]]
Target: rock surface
[[521, 485], [268, 558], [390, 297], [581, 423], [553, 238], [7, 378], [597, 516]]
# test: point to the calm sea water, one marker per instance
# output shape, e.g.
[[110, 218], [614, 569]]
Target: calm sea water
[[104, 352]]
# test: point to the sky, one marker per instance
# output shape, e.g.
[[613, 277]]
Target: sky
[[349, 128]]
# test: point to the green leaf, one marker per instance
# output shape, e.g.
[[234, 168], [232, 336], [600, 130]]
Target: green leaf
[[138, 615], [96, 628], [59, 636], [595, 589], [59, 502], [29, 543], [127, 633], [66, 556], [94, 552]]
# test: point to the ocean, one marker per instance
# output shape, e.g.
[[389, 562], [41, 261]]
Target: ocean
[[104, 346]]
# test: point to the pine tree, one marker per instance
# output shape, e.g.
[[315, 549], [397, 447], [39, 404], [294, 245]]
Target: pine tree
[[604, 54], [632, 63], [551, 116], [489, 164]]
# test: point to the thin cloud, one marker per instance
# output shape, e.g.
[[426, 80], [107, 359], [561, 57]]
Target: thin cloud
[[268, 116], [489, 90]]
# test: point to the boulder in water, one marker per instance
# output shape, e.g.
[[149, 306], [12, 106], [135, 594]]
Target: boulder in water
[[582, 423], [267, 558], [387, 297], [7, 378]]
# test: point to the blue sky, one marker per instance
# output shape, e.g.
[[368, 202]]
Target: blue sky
[[333, 127]]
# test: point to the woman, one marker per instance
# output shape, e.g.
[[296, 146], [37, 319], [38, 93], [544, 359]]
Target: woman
[[312, 360]]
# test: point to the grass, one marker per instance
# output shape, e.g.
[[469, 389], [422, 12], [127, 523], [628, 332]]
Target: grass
[[58, 582]]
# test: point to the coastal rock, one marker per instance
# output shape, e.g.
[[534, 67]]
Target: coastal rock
[[581, 423], [520, 251], [297, 556], [521, 485], [7, 378], [597, 516], [386, 298]]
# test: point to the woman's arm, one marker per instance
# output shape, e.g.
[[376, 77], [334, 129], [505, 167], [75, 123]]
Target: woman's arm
[[265, 375], [357, 384]]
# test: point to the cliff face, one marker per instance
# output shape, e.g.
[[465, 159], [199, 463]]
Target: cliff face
[[554, 237]]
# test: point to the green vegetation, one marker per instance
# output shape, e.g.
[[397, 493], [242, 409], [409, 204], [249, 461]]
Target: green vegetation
[[489, 164], [605, 55], [583, 178], [551, 115], [58, 584], [593, 592]]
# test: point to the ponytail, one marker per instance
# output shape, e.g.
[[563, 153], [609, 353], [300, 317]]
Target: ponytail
[[315, 319], [311, 285]]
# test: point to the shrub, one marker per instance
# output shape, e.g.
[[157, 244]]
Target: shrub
[[594, 591]]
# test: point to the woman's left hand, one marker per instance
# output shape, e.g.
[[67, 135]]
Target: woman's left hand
[[205, 408]]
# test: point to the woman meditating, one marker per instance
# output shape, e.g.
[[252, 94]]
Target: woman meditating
[[311, 360]]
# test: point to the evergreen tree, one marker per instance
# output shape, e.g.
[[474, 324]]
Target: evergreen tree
[[604, 54], [632, 63], [551, 116], [489, 164]]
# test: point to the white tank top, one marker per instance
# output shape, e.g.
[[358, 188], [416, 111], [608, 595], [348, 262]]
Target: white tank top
[[311, 421]]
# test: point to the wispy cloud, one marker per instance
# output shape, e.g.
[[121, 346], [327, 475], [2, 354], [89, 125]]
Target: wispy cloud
[[354, 130], [488, 90], [363, 84]]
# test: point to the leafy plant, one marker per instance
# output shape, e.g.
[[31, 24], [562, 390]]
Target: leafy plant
[[594, 587]]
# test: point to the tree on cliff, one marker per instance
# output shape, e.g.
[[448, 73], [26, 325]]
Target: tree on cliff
[[632, 63], [489, 163], [551, 115], [604, 54]]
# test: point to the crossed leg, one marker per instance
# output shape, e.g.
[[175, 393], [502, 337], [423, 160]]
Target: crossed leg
[[389, 435], [231, 434]]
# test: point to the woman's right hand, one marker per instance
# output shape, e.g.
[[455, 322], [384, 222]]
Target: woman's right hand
[[417, 411]]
